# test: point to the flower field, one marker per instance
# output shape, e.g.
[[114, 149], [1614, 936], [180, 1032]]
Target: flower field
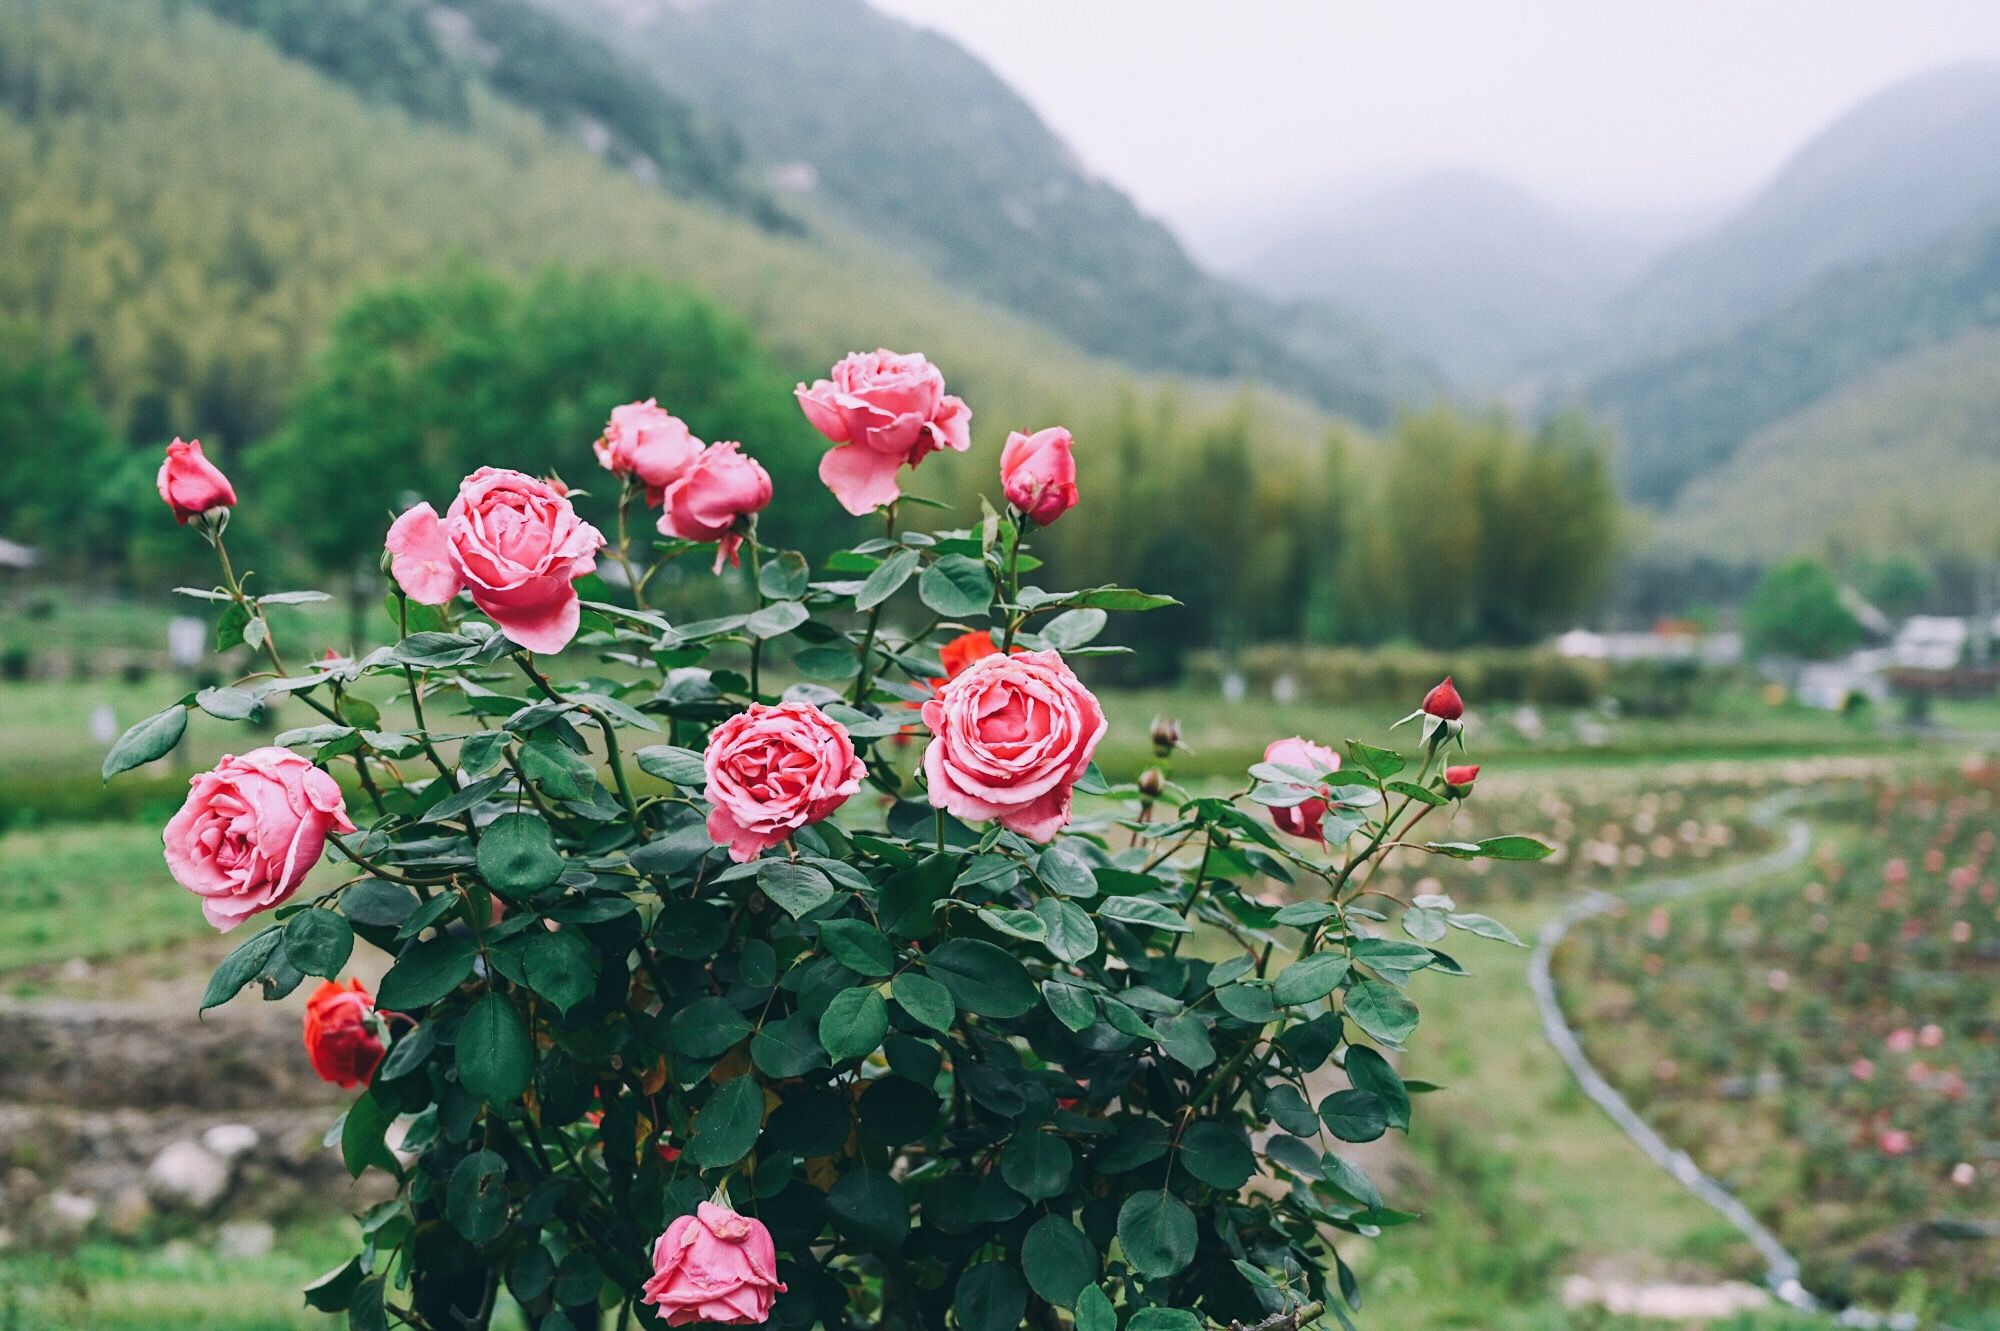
[[1829, 1046]]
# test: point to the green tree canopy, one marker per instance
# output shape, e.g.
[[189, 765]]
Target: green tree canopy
[[1797, 611]]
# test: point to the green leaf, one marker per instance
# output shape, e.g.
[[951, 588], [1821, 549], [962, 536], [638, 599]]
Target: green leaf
[[925, 999], [827, 664], [152, 738], [1072, 1004], [227, 703], [1348, 1177], [1354, 1115], [1186, 1041], [1073, 628], [853, 1024], [318, 942], [361, 1134], [957, 587], [517, 855], [890, 574], [240, 967], [1065, 870], [1309, 979], [495, 1059], [869, 1207], [859, 946], [1393, 954], [799, 889], [991, 1296], [557, 769], [1164, 1319], [727, 1126], [1515, 848], [1037, 1165], [982, 978], [1421, 794], [785, 577], [1371, 1072], [475, 1200], [1157, 1231], [1068, 931], [788, 1047], [1249, 1001], [365, 1310], [1376, 762], [332, 1292], [1100, 598], [776, 620], [1289, 1110], [426, 972], [1218, 1155], [1485, 927], [561, 967], [1059, 1260], [707, 1028], [683, 767], [1094, 1311], [1382, 1011], [1140, 911]]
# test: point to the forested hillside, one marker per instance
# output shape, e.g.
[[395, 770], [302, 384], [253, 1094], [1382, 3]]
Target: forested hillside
[[911, 138]]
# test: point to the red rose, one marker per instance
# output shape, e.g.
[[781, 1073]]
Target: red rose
[[191, 484], [1443, 702], [341, 1038], [1461, 778]]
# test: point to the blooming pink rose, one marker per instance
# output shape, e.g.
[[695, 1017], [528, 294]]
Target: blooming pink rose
[[191, 484], [516, 542], [642, 440], [772, 770], [1009, 737], [1302, 820], [250, 831], [706, 500], [885, 411], [714, 1266], [1038, 474]]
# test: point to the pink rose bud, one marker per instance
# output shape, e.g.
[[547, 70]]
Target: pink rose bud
[[1443, 702], [772, 770], [250, 831], [1302, 820], [1038, 474], [718, 489], [885, 411], [1009, 738], [714, 1266], [1151, 782], [644, 443], [515, 542], [191, 484], [1458, 780]]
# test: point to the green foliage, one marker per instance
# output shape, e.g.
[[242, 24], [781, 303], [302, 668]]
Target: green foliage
[[51, 469], [956, 1073], [1797, 611]]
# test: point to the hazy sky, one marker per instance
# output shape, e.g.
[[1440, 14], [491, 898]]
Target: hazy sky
[[1608, 105]]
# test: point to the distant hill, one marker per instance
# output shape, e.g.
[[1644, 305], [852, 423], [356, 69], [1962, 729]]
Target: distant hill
[[1906, 456], [1911, 164], [909, 137], [1468, 270]]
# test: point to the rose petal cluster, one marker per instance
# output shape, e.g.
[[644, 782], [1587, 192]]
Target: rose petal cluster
[[645, 443], [250, 831], [885, 411], [714, 1266], [773, 769], [1305, 819], [1010, 737], [340, 1033], [1038, 474], [706, 501], [514, 541], [190, 484]]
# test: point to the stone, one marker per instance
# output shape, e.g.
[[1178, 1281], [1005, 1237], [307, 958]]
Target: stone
[[130, 1212], [187, 1174], [230, 1140], [71, 1213], [245, 1240]]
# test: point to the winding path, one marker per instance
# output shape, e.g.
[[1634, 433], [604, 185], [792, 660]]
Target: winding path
[[1782, 1270]]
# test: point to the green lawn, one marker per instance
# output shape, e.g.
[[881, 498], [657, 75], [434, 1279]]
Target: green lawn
[[87, 890]]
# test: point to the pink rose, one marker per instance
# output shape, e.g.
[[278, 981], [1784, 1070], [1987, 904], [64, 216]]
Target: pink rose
[[885, 411], [516, 542], [645, 442], [714, 1266], [772, 770], [1038, 474], [1302, 820], [250, 831], [718, 488], [1009, 737], [191, 484]]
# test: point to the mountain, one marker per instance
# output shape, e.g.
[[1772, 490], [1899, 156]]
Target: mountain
[[1466, 269], [1909, 165], [911, 140], [1907, 455]]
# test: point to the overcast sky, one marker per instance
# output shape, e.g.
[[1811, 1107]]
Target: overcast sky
[[1606, 105]]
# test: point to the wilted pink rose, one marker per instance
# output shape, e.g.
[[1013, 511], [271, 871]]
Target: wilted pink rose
[[1038, 474], [885, 411], [1009, 738], [514, 541], [774, 769], [1302, 820], [714, 1266], [718, 488], [250, 831], [645, 442], [191, 484]]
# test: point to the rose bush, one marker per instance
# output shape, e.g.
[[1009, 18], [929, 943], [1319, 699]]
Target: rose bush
[[711, 998]]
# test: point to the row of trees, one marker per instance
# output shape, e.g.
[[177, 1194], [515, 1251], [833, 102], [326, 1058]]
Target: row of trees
[[1453, 529]]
